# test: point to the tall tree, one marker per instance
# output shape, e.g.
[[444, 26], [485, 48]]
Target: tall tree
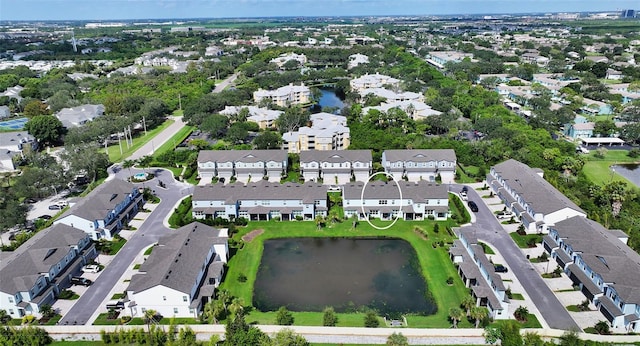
[[287, 337], [47, 129], [35, 108], [87, 159], [267, 140], [455, 314], [292, 119], [478, 313]]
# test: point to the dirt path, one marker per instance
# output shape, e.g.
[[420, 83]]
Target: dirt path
[[247, 238]]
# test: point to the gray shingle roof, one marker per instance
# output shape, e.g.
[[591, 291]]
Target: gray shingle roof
[[20, 269], [10, 139], [261, 190], [242, 155], [97, 204], [416, 191], [420, 155], [537, 192], [335, 156], [604, 253], [177, 259]]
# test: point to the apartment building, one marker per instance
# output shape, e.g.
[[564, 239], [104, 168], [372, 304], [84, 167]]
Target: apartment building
[[327, 132], [335, 167], [421, 164], [242, 165], [285, 96]]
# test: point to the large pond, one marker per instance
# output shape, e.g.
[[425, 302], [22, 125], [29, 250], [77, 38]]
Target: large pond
[[309, 274], [631, 171]]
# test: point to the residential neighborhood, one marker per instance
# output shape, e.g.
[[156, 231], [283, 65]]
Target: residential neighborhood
[[164, 172]]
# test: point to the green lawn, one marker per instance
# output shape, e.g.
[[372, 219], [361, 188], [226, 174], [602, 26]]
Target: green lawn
[[598, 170], [435, 263], [517, 296], [138, 142], [176, 139], [523, 240], [117, 245]]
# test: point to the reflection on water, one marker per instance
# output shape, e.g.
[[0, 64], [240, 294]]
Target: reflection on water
[[309, 274], [630, 171]]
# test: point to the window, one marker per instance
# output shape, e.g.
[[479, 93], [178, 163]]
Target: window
[[175, 310], [143, 310], [10, 311], [164, 297], [383, 202], [10, 299], [184, 298], [191, 311]]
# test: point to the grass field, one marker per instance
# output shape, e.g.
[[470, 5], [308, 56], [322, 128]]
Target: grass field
[[598, 169], [523, 240], [180, 136], [138, 142], [435, 263]]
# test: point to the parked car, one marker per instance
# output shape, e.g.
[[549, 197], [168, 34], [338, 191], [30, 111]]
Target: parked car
[[77, 280], [473, 206], [504, 215], [499, 268], [45, 217], [465, 189], [55, 207], [30, 200], [115, 305], [91, 268], [463, 195]]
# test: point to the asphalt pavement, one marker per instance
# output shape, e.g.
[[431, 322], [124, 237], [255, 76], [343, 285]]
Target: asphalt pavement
[[148, 233], [490, 230]]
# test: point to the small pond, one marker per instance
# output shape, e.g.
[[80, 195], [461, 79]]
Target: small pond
[[631, 171], [309, 274], [328, 98]]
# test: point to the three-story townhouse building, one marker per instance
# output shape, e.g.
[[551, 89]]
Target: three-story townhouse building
[[336, 167], [181, 274], [105, 210], [243, 165], [260, 201], [599, 262], [34, 274], [421, 164], [532, 199], [396, 199]]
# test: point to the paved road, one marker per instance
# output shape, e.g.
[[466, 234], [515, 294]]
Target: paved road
[[491, 231], [225, 83], [146, 235], [150, 147]]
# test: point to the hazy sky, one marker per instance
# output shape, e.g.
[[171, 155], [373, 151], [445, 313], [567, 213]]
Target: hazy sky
[[138, 9]]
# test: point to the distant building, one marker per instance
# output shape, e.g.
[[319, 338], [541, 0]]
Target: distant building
[[286, 57], [285, 96], [265, 118], [415, 110], [357, 59], [369, 81], [78, 116], [440, 58], [327, 132]]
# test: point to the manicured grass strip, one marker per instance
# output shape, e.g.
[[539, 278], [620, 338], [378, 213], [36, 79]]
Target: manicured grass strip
[[517, 296], [486, 248], [523, 240], [176, 139], [435, 264], [598, 169], [117, 245], [138, 142]]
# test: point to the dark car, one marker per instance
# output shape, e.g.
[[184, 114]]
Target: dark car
[[76, 280], [473, 206], [55, 207], [499, 268], [45, 217], [465, 189]]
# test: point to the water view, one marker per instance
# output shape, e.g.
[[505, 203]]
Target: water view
[[309, 274], [631, 171], [329, 98]]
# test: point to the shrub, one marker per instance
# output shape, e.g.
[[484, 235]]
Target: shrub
[[634, 153], [329, 318], [66, 294], [242, 278], [28, 319], [602, 327], [284, 317], [371, 319], [450, 280], [436, 228]]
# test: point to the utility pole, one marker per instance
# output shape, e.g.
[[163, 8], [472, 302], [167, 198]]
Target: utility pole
[[144, 124], [179, 101]]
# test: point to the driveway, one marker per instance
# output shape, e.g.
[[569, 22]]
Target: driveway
[[490, 230], [148, 233]]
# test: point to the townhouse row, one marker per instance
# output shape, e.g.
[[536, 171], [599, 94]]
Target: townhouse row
[[330, 167], [261, 201], [37, 271], [596, 259]]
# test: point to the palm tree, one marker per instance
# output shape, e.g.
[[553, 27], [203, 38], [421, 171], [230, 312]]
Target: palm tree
[[212, 310], [479, 313], [456, 315], [521, 313], [150, 317], [145, 161], [224, 296], [468, 302], [236, 306], [128, 164]]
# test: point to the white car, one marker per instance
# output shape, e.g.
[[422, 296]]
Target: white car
[[504, 215], [91, 268]]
